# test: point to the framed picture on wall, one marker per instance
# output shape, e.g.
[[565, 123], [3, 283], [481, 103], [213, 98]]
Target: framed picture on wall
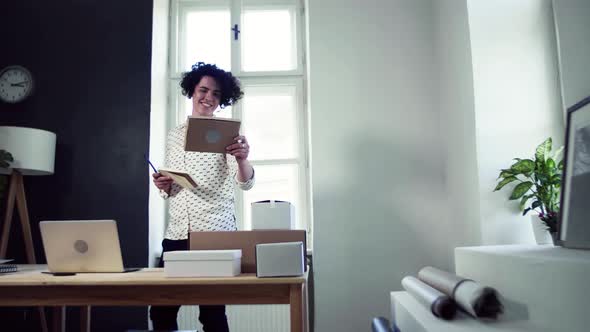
[[574, 231]]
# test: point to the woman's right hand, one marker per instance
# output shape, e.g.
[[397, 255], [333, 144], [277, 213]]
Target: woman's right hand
[[162, 182]]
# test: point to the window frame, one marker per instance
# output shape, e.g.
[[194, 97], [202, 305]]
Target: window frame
[[298, 12], [296, 77], [301, 120]]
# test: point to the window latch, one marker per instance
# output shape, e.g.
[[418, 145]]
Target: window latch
[[236, 31]]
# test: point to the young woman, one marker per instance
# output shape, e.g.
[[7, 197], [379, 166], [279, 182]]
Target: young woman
[[210, 206]]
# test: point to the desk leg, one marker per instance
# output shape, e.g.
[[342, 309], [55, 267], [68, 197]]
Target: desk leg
[[305, 308], [43, 319], [11, 199], [85, 319], [59, 319], [296, 307]]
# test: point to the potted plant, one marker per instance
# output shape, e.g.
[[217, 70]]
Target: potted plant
[[5, 159], [538, 184]]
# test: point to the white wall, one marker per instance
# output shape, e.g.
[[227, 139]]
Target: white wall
[[517, 101], [572, 18], [456, 104], [158, 125], [384, 205]]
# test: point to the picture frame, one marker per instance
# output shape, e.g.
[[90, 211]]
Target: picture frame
[[210, 134], [574, 230]]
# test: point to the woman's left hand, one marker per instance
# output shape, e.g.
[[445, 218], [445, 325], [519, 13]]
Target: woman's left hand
[[240, 149]]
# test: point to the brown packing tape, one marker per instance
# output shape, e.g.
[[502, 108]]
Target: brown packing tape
[[246, 241]]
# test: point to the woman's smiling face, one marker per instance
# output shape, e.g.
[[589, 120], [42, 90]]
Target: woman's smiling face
[[206, 97]]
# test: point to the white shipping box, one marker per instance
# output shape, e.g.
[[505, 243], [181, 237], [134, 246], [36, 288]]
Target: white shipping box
[[202, 263], [273, 215], [282, 259]]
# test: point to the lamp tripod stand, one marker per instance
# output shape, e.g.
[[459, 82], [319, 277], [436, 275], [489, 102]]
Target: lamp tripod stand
[[16, 194]]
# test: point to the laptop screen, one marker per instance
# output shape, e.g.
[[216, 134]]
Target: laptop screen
[[81, 245]]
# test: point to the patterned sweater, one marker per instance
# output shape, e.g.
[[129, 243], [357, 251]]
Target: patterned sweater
[[210, 206]]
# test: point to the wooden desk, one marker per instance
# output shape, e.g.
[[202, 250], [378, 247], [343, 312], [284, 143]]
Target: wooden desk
[[30, 287]]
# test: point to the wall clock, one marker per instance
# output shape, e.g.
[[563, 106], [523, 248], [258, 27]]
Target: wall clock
[[16, 84]]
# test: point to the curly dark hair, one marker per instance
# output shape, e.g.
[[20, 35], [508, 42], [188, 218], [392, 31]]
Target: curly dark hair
[[231, 91]]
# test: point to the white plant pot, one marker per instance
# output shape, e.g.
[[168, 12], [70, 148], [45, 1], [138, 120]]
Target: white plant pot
[[542, 235]]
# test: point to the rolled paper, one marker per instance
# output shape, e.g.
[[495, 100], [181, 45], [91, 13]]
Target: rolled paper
[[477, 300], [439, 304], [439, 279]]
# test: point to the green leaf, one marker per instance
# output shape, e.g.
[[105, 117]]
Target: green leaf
[[543, 149], [526, 211], [5, 159], [523, 201], [560, 165], [5, 155], [536, 204], [556, 179], [523, 166], [543, 178], [505, 182], [520, 190], [550, 163], [557, 152], [505, 173]]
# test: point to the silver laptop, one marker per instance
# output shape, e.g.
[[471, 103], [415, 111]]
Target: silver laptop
[[75, 246]]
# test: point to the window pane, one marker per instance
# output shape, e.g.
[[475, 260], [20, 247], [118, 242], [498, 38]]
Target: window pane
[[207, 38], [269, 120], [277, 182], [268, 40]]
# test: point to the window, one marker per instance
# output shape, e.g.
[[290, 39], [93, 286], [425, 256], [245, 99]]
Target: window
[[260, 42]]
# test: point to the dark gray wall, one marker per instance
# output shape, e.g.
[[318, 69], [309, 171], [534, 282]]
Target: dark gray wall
[[91, 60]]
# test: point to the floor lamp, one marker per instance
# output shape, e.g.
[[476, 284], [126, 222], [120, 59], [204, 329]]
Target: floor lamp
[[33, 151]]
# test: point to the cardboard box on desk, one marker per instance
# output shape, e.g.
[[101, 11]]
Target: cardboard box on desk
[[284, 259], [246, 241], [273, 215], [202, 263]]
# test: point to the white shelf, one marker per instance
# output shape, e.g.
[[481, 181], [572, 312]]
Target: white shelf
[[411, 316], [545, 285]]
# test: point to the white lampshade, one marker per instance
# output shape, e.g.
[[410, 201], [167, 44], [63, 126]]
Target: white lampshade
[[33, 150]]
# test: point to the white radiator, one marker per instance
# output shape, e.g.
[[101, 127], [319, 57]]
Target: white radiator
[[242, 318]]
